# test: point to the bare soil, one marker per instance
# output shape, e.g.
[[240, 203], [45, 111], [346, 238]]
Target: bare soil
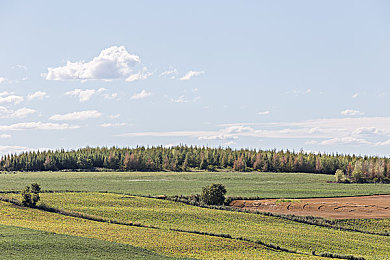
[[377, 206]]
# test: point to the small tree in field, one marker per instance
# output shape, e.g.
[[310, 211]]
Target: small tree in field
[[213, 194], [30, 195], [340, 176]]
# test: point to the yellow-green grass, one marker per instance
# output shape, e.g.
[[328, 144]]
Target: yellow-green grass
[[25, 243], [172, 215], [170, 243]]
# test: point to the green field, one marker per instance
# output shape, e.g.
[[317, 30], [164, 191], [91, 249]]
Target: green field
[[167, 228], [24, 243], [253, 184], [165, 242], [172, 215]]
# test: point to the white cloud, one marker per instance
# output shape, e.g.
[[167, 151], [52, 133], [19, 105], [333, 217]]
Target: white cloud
[[387, 142], [171, 73], [6, 97], [141, 95], [110, 96], [37, 125], [19, 66], [351, 112], [308, 91], [22, 112], [344, 140], [5, 136], [181, 99], [3, 80], [8, 149], [191, 74], [112, 63], [37, 95], [82, 115], [263, 113], [114, 116], [139, 76], [355, 95], [113, 124], [83, 95]]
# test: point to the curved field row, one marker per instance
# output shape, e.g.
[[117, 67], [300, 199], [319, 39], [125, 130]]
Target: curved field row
[[24, 243], [170, 243], [272, 230]]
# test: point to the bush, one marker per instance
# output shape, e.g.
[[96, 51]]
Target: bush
[[213, 194], [340, 176], [30, 195]]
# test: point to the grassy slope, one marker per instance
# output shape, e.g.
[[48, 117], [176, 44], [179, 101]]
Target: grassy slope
[[164, 242], [267, 185], [23, 243], [167, 214]]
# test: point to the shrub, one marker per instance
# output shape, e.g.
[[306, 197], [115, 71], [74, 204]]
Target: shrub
[[213, 194], [340, 176], [30, 195]]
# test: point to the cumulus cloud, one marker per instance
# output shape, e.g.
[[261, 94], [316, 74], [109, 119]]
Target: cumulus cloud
[[112, 63], [82, 115], [37, 125], [263, 113], [139, 76], [141, 95], [5, 136], [7, 97], [83, 95], [37, 95], [351, 112], [191, 74]]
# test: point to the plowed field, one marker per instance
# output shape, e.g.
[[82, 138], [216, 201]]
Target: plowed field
[[338, 208]]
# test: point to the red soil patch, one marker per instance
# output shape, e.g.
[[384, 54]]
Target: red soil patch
[[339, 208]]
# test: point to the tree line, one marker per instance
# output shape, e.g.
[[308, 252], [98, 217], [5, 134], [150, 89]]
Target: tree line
[[188, 158]]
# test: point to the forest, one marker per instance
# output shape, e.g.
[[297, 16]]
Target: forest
[[190, 158]]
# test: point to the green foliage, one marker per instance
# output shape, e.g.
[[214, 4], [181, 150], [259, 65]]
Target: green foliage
[[186, 158], [357, 174], [213, 194], [340, 176], [30, 195]]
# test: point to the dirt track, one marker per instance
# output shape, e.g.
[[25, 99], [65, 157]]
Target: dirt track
[[338, 208]]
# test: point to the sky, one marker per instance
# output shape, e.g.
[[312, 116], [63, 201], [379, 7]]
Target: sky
[[298, 75]]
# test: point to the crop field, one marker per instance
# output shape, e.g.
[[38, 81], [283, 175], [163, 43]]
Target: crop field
[[170, 243], [171, 215], [251, 184], [172, 229], [24, 243]]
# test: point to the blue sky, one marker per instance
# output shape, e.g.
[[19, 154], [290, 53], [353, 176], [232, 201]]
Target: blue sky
[[296, 75]]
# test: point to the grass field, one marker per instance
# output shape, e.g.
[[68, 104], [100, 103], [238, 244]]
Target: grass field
[[253, 184], [167, 215], [171, 243], [24, 243]]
